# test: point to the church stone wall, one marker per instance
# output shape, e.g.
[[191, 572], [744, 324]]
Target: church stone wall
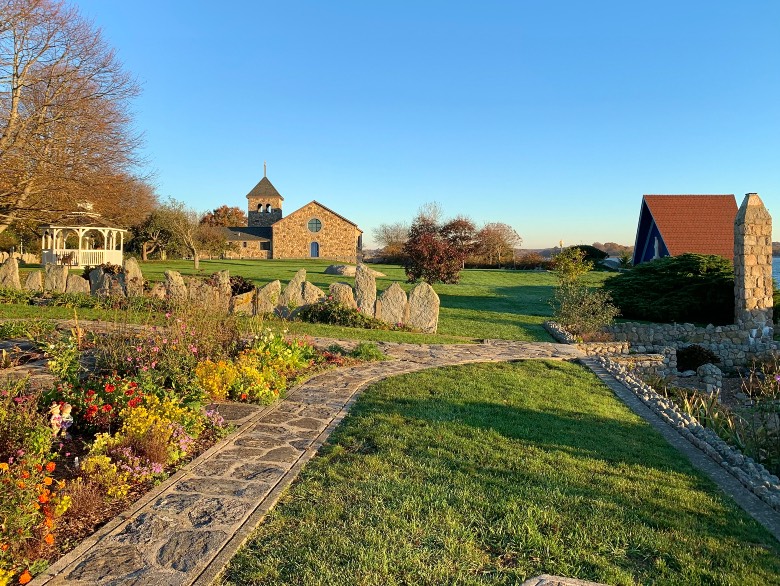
[[337, 238]]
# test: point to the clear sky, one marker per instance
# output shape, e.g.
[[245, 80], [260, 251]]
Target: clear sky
[[552, 116]]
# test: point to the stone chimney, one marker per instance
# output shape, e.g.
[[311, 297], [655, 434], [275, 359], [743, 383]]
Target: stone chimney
[[753, 269]]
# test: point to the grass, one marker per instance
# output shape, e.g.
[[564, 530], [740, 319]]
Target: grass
[[493, 303], [491, 474]]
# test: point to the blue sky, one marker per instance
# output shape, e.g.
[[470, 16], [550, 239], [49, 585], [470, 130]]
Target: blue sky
[[552, 116]]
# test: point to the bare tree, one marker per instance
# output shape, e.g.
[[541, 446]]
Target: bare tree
[[64, 122], [183, 223], [496, 239], [391, 237]]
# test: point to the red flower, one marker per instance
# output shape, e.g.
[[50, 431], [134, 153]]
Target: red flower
[[50, 467], [129, 392], [110, 388], [91, 411], [106, 408]]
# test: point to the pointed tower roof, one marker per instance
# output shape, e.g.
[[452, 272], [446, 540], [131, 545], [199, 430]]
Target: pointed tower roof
[[264, 189]]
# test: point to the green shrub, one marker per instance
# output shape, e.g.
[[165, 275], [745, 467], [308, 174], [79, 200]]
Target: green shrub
[[583, 311], [328, 311], [687, 288], [17, 296], [693, 356], [592, 254], [367, 351]]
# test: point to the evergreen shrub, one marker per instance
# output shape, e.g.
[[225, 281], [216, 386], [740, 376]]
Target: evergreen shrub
[[690, 288]]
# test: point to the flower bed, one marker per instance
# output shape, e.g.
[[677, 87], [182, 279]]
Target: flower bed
[[74, 455]]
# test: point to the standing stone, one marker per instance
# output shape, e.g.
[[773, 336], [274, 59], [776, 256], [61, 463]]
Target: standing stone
[[158, 291], [342, 294], [56, 278], [391, 307], [753, 269], [268, 298], [175, 289], [9, 275], [311, 293], [365, 290], [292, 296], [243, 303], [77, 284], [105, 284], [34, 281], [423, 308], [134, 280], [223, 291]]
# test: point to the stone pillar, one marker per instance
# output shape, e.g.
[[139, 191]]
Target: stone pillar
[[753, 269]]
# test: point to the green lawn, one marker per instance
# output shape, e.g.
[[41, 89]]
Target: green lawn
[[485, 304], [490, 474]]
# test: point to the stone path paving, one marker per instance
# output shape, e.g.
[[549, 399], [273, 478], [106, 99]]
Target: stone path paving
[[186, 530]]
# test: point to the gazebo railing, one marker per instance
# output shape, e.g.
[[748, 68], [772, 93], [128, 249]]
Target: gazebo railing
[[81, 258]]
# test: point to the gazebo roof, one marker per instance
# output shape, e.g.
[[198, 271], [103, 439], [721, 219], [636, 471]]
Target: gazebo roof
[[79, 220]]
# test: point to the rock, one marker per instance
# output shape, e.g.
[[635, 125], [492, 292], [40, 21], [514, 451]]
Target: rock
[[34, 281], [268, 298], [687, 373], [56, 278], [342, 294], [175, 289], [214, 511], [77, 284], [243, 303], [9, 275], [158, 291], [134, 279], [292, 296], [311, 293], [114, 561], [392, 307], [365, 290], [223, 291], [105, 284], [210, 294], [423, 308], [348, 271]]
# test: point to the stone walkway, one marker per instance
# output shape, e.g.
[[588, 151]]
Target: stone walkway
[[186, 530]]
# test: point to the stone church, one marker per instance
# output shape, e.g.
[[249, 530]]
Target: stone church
[[313, 231]]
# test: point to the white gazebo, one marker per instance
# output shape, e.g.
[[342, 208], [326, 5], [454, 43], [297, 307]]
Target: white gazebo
[[82, 242]]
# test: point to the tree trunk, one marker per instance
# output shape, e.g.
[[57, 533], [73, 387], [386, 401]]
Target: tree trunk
[[196, 260], [143, 252]]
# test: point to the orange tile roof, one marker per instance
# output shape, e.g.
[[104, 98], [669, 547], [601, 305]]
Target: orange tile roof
[[695, 223]]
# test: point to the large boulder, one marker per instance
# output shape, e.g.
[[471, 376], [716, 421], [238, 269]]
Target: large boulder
[[423, 308], [134, 279], [175, 289], [223, 290], [77, 284], [158, 291], [365, 290], [55, 278], [243, 303], [392, 306], [268, 298], [9, 275], [311, 293], [210, 294], [348, 271], [342, 294], [292, 296], [106, 284], [34, 281]]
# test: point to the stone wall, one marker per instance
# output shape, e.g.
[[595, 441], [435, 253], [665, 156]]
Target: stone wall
[[337, 238], [733, 345], [251, 250]]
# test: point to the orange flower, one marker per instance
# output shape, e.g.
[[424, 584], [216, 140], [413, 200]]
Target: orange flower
[[50, 467], [47, 481], [21, 484], [3, 547], [49, 539], [25, 577], [25, 474], [4, 466], [39, 468], [44, 497], [49, 523]]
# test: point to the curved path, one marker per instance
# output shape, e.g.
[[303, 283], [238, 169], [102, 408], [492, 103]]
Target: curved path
[[188, 528]]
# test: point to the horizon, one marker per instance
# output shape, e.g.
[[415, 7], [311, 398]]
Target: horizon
[[553, 118]]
